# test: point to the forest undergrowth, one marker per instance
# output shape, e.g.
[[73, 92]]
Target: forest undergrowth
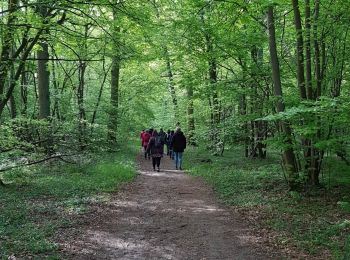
[[312, 223], [39, 201]]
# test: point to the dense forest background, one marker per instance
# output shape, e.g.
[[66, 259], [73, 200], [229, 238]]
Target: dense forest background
[[269, 77]]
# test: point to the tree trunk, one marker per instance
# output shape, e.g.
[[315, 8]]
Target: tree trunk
[[19, 72], [115, 75], [170, 75], [308, 82], [55, 84], [24, 92], [81, 90], [171, 84], [106, 73], [43, 81], [190, 117], [289, 159], [318, 75], [8, 40], [300, 49], [13, 107]]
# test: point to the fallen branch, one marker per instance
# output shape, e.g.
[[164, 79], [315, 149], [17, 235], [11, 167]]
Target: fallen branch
[[58, 156]]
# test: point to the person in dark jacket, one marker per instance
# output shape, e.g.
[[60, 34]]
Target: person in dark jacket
[[162, 135], [156, 149], [179, 145], [170, 140]]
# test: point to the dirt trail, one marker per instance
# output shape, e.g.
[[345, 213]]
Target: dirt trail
[[165, 215]]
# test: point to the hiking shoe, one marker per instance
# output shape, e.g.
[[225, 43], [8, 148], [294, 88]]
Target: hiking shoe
[[158, 170]]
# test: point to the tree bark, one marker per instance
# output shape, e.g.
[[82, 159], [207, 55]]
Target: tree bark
[[190, 117], [19, 71], [43, 81], [43, 72], [308, 68], [171, 84], [8, 40], [318, 75], [106, 73], [289, 158], [115, 76], [81, 90], [300, 49]]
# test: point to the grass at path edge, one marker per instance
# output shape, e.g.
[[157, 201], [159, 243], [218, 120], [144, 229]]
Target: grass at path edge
[[41, 200], [316, 223]]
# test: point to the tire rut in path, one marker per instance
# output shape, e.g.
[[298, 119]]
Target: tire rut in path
[[163, 215]]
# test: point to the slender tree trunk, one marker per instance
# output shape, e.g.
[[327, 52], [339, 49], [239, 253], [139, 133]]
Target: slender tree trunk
[[55, 84], [214, 97], [106, 73], [190, 117], [81, 91], [24, 92], [212, 73], [289, 158], [170, 75], [115, 76], [318, 75], [300, 49], [13, 107], [26, 47], [19, 72], [171, 84], [308, 82], [8, 40], [243, 112]]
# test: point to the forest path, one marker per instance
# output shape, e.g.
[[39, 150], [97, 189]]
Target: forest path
[[163, 215]]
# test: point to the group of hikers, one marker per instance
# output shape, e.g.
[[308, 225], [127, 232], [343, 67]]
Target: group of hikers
[[153, 143]]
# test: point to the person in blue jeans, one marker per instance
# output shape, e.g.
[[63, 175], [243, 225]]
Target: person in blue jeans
[[178, 143]]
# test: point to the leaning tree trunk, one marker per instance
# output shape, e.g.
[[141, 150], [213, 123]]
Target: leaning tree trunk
[[289, 159]]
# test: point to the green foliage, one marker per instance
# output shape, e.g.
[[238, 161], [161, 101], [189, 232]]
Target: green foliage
[[306, 221], [39, 201]]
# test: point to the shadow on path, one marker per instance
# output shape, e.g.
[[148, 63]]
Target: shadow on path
[[163, 215]]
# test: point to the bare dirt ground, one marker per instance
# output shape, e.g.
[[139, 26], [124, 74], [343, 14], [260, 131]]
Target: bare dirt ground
[[162, 215]]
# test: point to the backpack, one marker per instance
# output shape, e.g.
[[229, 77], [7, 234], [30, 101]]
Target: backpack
[[158, 142], [163, 137]]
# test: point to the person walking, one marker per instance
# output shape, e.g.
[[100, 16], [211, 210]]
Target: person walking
[[145, 140], [167, 142], [141, 136], [178, 146], [162, 135], [170, 140], [156, 149]]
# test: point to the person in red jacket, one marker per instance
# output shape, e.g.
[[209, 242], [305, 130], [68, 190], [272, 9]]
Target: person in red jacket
[[145, 140], [141, 136]]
